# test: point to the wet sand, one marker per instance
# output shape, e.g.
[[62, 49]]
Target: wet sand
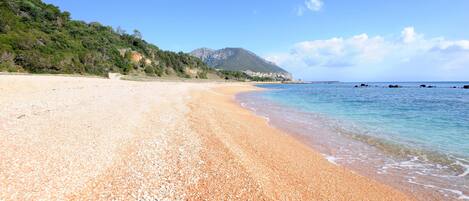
[[69, 138]]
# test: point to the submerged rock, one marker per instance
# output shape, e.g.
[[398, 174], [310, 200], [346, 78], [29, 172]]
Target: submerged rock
[[394, 86], [466, 87]]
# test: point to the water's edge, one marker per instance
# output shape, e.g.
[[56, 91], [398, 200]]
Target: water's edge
[[434, 176]]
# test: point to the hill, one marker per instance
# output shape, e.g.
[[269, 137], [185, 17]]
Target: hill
[[39, 38], [238, 59]]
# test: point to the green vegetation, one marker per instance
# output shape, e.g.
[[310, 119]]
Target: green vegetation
[[241, 76], [38, 38]]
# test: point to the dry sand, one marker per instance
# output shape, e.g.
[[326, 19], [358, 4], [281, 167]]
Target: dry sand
[[70, 138]]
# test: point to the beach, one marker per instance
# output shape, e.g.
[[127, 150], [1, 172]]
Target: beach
[[78, 138]]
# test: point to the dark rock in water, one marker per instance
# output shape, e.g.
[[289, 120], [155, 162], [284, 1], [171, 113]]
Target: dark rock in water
[[466, 87], [361, 85], [425, 86], [394, 86], [454, 87]]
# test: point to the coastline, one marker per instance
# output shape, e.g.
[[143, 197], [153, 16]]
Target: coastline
[[426, 178], [75, 138], [284, 167]]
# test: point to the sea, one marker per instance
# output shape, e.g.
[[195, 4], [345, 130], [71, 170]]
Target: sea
[[413, 138]]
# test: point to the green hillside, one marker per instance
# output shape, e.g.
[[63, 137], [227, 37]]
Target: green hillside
[[38, 38]]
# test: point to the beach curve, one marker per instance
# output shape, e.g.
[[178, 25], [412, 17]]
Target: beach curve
[[86, 138]]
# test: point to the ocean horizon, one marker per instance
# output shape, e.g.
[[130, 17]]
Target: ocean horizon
[[414, 137]]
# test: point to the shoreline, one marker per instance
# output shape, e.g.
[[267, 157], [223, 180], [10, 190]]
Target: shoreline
[[362, 156], [277, 152], [80, 138]]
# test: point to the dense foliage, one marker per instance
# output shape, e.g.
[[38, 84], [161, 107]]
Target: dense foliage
[[39, 38], [241, 76]]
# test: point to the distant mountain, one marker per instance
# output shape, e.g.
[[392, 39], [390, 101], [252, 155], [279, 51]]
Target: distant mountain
[[238, 59]]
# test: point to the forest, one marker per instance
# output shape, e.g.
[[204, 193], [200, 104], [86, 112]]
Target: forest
[[36, 37]]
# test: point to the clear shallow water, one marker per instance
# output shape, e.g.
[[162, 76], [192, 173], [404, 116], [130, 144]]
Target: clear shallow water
[[419, 136]]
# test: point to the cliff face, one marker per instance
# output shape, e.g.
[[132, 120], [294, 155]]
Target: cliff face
[[238, 59], [214, 58], [203, 53]]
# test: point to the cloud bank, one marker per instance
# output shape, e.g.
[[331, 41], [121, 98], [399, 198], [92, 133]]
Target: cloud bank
[[409, 57]]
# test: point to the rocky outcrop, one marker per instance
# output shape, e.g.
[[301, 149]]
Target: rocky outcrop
[[135, 56], [203, 53]]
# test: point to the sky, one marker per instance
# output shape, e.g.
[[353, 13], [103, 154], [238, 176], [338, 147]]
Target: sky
[[356, 40]]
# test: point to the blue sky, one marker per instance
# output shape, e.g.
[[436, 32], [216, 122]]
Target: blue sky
[[314, 39]]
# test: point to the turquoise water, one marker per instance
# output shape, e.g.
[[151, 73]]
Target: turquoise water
[[431, 118], [425, 127]]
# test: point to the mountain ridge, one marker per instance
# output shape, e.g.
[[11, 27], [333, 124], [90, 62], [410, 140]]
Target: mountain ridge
[[232, 58], [239, 59]]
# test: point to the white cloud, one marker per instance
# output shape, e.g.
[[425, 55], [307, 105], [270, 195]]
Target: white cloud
[[361, 57], [409, 35], [314, 5]]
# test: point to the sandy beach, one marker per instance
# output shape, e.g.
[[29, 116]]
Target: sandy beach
[[77, 138]]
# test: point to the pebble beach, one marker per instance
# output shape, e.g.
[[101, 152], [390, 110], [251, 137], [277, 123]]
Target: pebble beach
[[79, 138]]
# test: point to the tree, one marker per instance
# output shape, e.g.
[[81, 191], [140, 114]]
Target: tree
[[120, 31], [149, 70], [137, 34], [66, 16]]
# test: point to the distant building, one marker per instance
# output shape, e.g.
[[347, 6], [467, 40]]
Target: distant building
[[279, 76]]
